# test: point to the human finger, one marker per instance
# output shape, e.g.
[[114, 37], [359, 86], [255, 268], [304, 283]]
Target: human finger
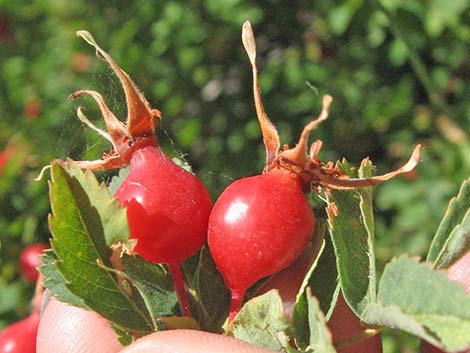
[[68, 329], [190, 341]]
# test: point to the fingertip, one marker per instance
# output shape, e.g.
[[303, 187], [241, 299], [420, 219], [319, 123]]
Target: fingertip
[[190, 341], [460, 271], [67, 329], [344, 324]]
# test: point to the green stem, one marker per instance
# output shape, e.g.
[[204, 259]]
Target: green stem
[[416, 63]]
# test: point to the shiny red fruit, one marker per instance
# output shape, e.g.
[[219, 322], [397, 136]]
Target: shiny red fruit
[[167, 207], [30, 260], [20, 337], [258, 226]]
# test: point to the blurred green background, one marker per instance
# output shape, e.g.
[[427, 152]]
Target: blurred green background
[[399, 72]]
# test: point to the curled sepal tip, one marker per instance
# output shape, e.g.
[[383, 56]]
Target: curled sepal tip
[[116, 130], [249, 42], [141, 119], [298, 155], [268, 130], [354, 183], [108, 162]]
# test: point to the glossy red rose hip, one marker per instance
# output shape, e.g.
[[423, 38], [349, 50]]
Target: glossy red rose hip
[[167, 207], [258, 226]]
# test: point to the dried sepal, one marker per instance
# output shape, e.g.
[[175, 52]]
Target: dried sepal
[[82, 117], [116, 130], [345, 183], [141, 119], [107, 163], [137, 131], [308, 166], [298, 155], [268, 130], [315, 148]]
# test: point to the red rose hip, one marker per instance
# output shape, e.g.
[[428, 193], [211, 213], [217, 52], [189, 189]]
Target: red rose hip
[[258, 226]]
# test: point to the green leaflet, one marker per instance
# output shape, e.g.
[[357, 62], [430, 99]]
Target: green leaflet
[[154, 285], [451, 239], [323, 277], [55, 281], [352, 235], [210, 297], [415, 298], [320, 336], [84, 218], [262, 322]]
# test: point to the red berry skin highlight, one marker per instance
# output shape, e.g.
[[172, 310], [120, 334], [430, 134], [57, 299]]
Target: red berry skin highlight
[[167, 207], [20, 337], [257, 227]]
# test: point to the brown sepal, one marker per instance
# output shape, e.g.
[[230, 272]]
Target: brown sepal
[[308, 166], [140, 123]]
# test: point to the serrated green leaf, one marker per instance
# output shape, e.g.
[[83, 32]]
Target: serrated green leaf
[[323, 277], [320, 337], [392, 316], [415, 298], [451, 332], [113, 217], [154, 285], [262, 321], [352, 235], [454, 217], [78, 230], [55, 281], [210, 296], [117, 180]]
